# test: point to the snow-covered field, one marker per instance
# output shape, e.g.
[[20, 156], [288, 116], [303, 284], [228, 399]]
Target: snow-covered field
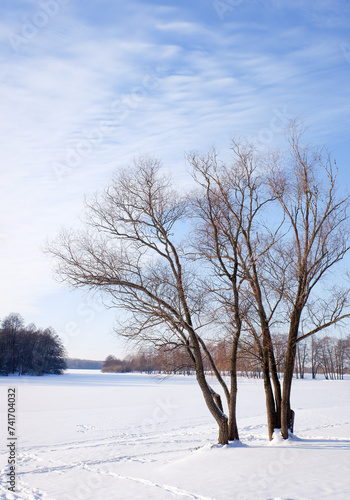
[[88, 435]]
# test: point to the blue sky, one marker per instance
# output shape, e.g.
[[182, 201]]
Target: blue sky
[[86, 86]]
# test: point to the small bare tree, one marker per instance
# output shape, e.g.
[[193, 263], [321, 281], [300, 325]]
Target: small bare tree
[[314, 356], [302, 356]]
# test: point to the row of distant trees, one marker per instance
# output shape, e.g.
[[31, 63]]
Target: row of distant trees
[[330, 356], [327, 356], [28, 350], [83, 364]]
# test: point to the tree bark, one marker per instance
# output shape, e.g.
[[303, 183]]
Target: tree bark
[[287, 387], [232, 424], [270, 401], [223, 432], [277, 388], [212, 399]]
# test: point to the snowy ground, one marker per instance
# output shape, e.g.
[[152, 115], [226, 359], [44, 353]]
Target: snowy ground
[[88, 435]]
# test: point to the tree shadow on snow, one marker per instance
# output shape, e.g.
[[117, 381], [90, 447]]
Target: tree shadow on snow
[[322, 443]]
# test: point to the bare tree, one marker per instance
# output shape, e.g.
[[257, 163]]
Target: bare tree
[[277, 225], [267, 232], [316, 239], [333, 357], [314, 356], [236, 241], [302, 356], [341, 356], [131, 253]]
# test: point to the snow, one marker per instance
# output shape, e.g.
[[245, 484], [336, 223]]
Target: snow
[[87, 435]]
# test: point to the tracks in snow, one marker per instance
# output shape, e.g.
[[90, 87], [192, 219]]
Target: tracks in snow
[[140, 449]]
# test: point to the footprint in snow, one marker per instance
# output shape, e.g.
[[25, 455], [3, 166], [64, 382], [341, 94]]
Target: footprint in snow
[[83, 428]]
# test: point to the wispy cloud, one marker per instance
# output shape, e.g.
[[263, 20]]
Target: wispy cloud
[[99, 83]]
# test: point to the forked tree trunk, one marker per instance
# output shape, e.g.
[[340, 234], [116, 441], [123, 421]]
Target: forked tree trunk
[[213, 404], [222, 422], [211, 398], [218, 412]]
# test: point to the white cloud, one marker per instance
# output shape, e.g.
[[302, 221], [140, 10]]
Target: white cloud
[[182, 28], [160, 83]]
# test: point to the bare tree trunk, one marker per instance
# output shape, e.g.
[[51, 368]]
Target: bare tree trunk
[[286, 415], [268, 360], [301, 373], [277, 389], [223, 432], [270, 401], [232, 425], [212, 399]]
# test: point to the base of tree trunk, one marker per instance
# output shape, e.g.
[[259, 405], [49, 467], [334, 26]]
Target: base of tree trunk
[[289, 428], [223, 433], [291, 421]]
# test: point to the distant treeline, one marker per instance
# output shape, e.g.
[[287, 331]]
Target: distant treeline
[[149, 361], [86, 364], [28, 350], [326, 355]]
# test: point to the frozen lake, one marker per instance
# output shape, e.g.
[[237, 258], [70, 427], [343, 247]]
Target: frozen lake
[[88, 435]]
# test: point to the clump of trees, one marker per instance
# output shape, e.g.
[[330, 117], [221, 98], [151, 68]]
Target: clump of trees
[[251, 252], [115, 365], [330, 356], [151, 360], [27, 350]]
